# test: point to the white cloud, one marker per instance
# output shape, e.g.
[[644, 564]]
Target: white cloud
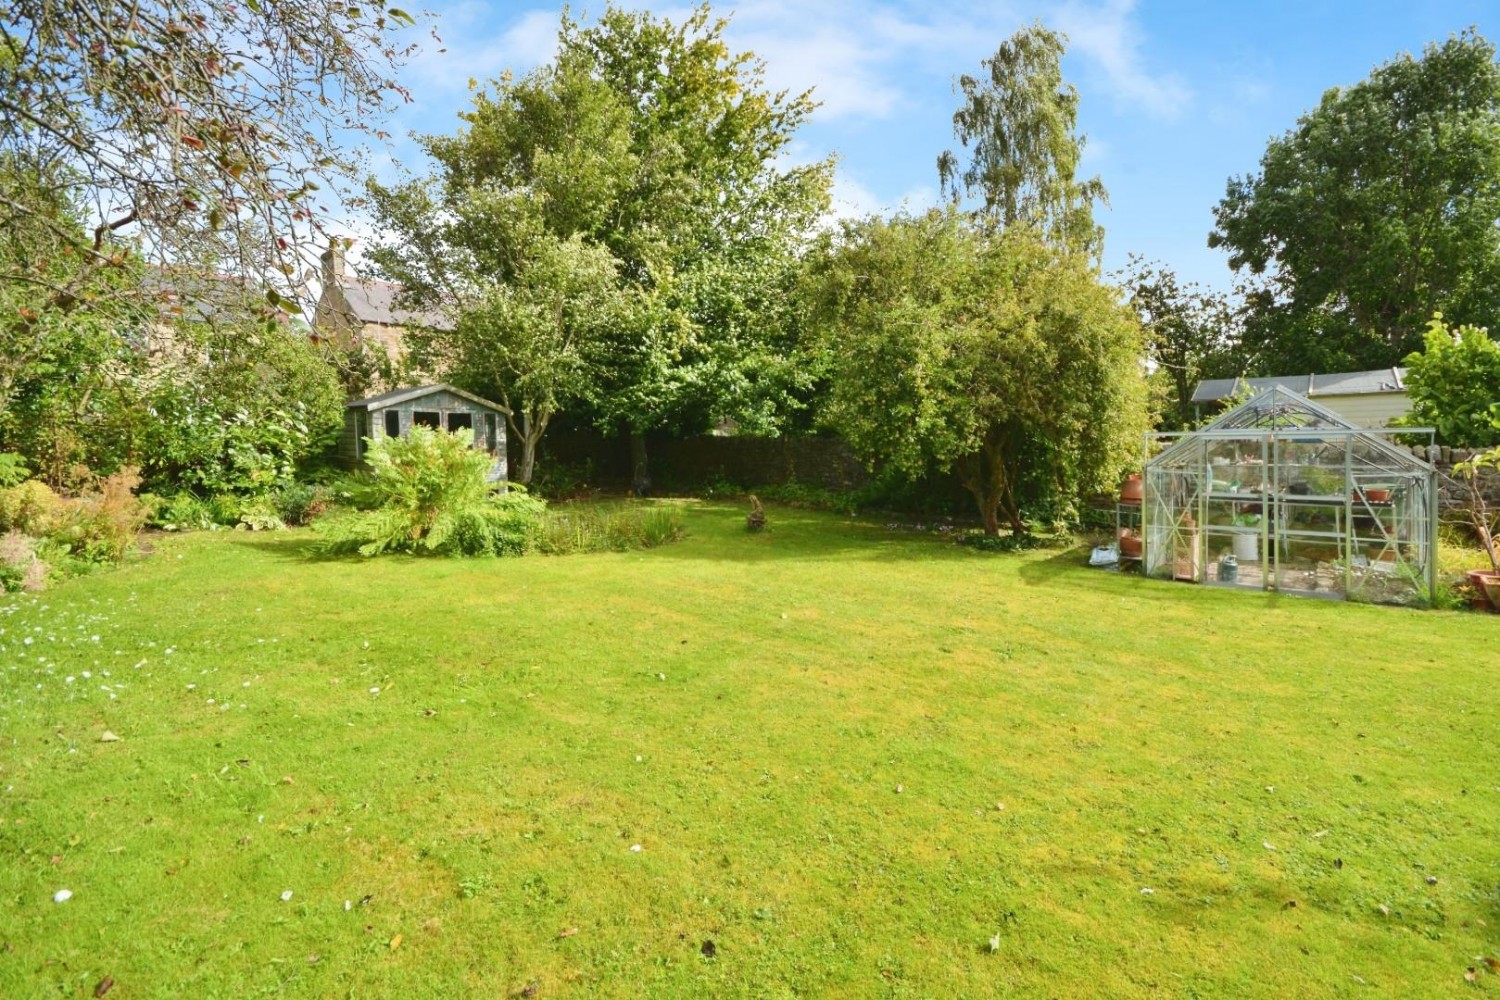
[[470, 49], [1109, 36]]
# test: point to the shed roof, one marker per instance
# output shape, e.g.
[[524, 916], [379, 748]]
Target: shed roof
[[396, 396], [1378, 380]]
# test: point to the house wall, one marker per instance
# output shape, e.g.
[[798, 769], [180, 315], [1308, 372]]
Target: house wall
[[1367, 409]]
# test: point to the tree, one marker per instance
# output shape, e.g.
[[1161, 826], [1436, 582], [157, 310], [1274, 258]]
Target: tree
[[182, 129], [529, 343], [650, 141], [1378, 208], [1190, 333], [1020, 123], [1454, 385], [994, 355]]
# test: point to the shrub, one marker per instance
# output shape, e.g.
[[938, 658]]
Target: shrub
[[20, 566], [429, 492], [299, 503], [182, 512], [1452, 385], [31, 508], [607, 528], [101, 524]]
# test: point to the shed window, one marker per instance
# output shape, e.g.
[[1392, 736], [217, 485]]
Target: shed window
[[493, 440], [460, 421], [427, 418], [361, 428], [392, 423]]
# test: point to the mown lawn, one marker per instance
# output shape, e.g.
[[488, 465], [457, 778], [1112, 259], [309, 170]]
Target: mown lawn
[[850, 758]]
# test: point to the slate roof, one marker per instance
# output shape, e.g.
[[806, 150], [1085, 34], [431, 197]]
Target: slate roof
[[374, 301], [396, 396], [1379, 380]]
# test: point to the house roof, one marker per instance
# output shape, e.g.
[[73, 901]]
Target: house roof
[[397, 396], [373, 301], [1378, 380]]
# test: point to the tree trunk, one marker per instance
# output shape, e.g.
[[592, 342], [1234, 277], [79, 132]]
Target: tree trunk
[[640, 476], [988, 479], [529, 432]]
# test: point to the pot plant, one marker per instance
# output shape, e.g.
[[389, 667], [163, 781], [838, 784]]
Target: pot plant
[[1483, 520]]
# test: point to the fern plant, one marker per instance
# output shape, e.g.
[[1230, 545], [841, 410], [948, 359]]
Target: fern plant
[[430, 492]]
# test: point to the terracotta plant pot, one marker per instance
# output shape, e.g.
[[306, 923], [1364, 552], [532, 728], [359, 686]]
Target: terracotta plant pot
[[1132, 490], [1130, 547], [1377, 496], [1491, 584]]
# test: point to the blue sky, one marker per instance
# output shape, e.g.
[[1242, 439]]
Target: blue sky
[[1174, 97]]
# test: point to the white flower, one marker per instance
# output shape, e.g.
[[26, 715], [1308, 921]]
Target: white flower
[[635, 848], [286, 897], [374, 690], [62, 895]]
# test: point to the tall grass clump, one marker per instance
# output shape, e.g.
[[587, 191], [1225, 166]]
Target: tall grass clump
[[430, 492], [607, 528]]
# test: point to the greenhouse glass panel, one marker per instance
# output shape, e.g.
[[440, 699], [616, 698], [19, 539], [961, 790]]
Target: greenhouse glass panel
[[1281, 494]]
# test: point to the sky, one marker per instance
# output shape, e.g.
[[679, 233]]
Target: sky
[[1174, 97]]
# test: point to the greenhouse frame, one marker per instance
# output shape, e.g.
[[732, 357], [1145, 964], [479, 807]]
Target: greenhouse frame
[[1282, 494]]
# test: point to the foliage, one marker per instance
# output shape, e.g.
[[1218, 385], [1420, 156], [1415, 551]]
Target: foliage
[[21, 567], [101, 524], [1454, 385], [1021, 124], [1012, 542], [1189, 334], [235, 410], [183, 511], [605, 527], [1376, 209], [301, 503], [434, 495], [30, 507], [13, 469], [638, 181], [46, 535], [999, 357], [184, 129], [1484, 520]]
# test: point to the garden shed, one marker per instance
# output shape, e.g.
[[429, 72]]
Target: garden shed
[[1282, 494], [441, 406]]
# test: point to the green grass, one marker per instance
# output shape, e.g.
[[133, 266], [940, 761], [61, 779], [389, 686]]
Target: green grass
[[810, 733]]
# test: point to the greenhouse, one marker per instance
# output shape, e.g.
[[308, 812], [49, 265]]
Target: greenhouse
[[1281, 494]]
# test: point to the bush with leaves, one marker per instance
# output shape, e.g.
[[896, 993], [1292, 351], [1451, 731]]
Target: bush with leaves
[[433, 494], [100, 525], [50, 536], [1454, 385]]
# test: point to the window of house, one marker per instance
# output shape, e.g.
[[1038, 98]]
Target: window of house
[[392, 423], [427, 418], [460, 421]]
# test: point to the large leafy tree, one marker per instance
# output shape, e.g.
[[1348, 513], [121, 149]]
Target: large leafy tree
[[654, 143], [182, 129], [1191, 334], [1018, 128], [997, 356], [1377, 209]]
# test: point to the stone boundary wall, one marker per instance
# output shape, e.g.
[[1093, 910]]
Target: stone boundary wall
[[1452, 490]]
